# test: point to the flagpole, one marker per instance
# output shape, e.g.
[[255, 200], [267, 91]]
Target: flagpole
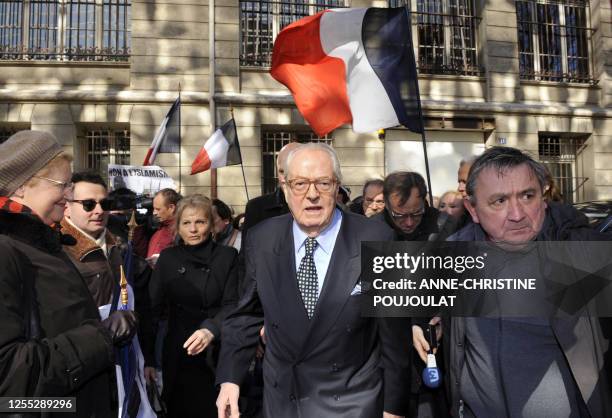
[[179, 130], [419, 108], [246, 189]]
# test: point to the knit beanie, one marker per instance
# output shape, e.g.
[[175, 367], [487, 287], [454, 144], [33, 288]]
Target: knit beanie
[[22, 156]]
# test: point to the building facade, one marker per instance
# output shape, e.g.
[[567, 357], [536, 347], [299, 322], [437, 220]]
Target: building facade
[[101, 75]]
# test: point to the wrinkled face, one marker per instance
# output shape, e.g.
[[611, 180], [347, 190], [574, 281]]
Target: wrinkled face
[[313, 208], [509, 205], [407, 217], [46, 198], [93, 222], [194, 226], [161, 210], [452, 204], [373, 199], [462, 176], [219, 223]]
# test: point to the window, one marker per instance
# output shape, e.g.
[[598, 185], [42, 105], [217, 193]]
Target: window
[[73, 30], [261, 21], [554, 39], [272, 142], [560, 155], [446, 35], [103, 147]]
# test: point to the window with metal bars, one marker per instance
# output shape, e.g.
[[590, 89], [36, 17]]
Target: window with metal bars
[[554, 38], [72, 30], [272, 142], [105, 146], [261, 21], [446, 35], [560, 155]]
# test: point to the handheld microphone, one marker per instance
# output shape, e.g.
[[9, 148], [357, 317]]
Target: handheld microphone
[[431, 374]]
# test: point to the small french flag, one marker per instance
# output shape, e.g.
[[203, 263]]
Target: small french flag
[[220, 150], [351, 66], [168, 136]]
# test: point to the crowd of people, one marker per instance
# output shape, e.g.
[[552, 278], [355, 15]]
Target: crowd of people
[[259, 314]]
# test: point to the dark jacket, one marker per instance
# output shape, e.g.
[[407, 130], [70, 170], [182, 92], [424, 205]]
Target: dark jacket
[[102, 276], [583, 338], [199, 285], [59, 348], [263, 207], [423, 232], [337, 364]]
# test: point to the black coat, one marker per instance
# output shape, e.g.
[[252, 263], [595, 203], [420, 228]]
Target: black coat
[[263, 207], [59, 349], [199, 286], [339, 363]]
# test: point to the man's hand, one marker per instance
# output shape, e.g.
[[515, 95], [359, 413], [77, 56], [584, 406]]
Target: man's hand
[[150, 374], [227, 401], [198, 341], [389, 415], [420, 342]]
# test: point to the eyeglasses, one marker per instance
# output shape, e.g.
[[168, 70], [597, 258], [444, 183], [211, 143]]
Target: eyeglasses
[[90, 204], [402, 216], [65, 185], [301, 186]]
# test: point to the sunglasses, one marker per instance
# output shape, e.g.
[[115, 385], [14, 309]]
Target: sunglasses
[[90, 204]]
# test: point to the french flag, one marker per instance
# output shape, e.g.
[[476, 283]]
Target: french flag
[[220, 150], [351, 66]]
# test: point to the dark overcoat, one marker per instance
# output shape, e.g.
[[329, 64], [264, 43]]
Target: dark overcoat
[[59, 348]]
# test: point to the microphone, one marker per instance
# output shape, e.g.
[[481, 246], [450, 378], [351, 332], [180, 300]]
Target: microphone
[[431, 373], [432, 377]]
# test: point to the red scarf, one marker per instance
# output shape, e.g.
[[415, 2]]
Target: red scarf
[[9, 205]]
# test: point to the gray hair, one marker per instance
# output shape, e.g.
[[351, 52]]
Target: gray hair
[[315, 146], [500, 159]]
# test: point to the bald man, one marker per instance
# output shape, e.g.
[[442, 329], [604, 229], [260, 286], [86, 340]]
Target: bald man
[[271, 204]]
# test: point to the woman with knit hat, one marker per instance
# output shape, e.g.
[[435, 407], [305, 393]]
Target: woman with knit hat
[[52, 341]]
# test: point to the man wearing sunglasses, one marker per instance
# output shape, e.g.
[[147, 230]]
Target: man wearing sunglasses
[[98, 255]]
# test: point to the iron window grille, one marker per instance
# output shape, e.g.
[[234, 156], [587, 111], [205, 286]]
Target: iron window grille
[[65, 30], [554, 40], [560, 155], [105, 146], [446, 33], [272, 142], [261, 21]]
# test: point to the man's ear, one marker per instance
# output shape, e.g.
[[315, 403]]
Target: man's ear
[[172, 207], [469, 205]]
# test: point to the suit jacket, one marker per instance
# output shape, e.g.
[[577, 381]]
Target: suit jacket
[[263, 207], [338, 363]]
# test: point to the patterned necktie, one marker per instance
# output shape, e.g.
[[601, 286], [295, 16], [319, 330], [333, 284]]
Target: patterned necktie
[[307, 277]]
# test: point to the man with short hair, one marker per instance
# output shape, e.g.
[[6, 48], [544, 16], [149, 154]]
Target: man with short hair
[[323, 359], [462, 174], [164, 208], [98, 255], [406, 209], [373, 198], [524, 366]]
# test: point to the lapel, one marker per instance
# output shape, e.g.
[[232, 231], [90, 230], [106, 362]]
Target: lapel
[[282, 272], [342, 276]]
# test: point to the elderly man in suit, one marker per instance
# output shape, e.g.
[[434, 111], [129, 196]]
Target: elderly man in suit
[[323, 359]]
